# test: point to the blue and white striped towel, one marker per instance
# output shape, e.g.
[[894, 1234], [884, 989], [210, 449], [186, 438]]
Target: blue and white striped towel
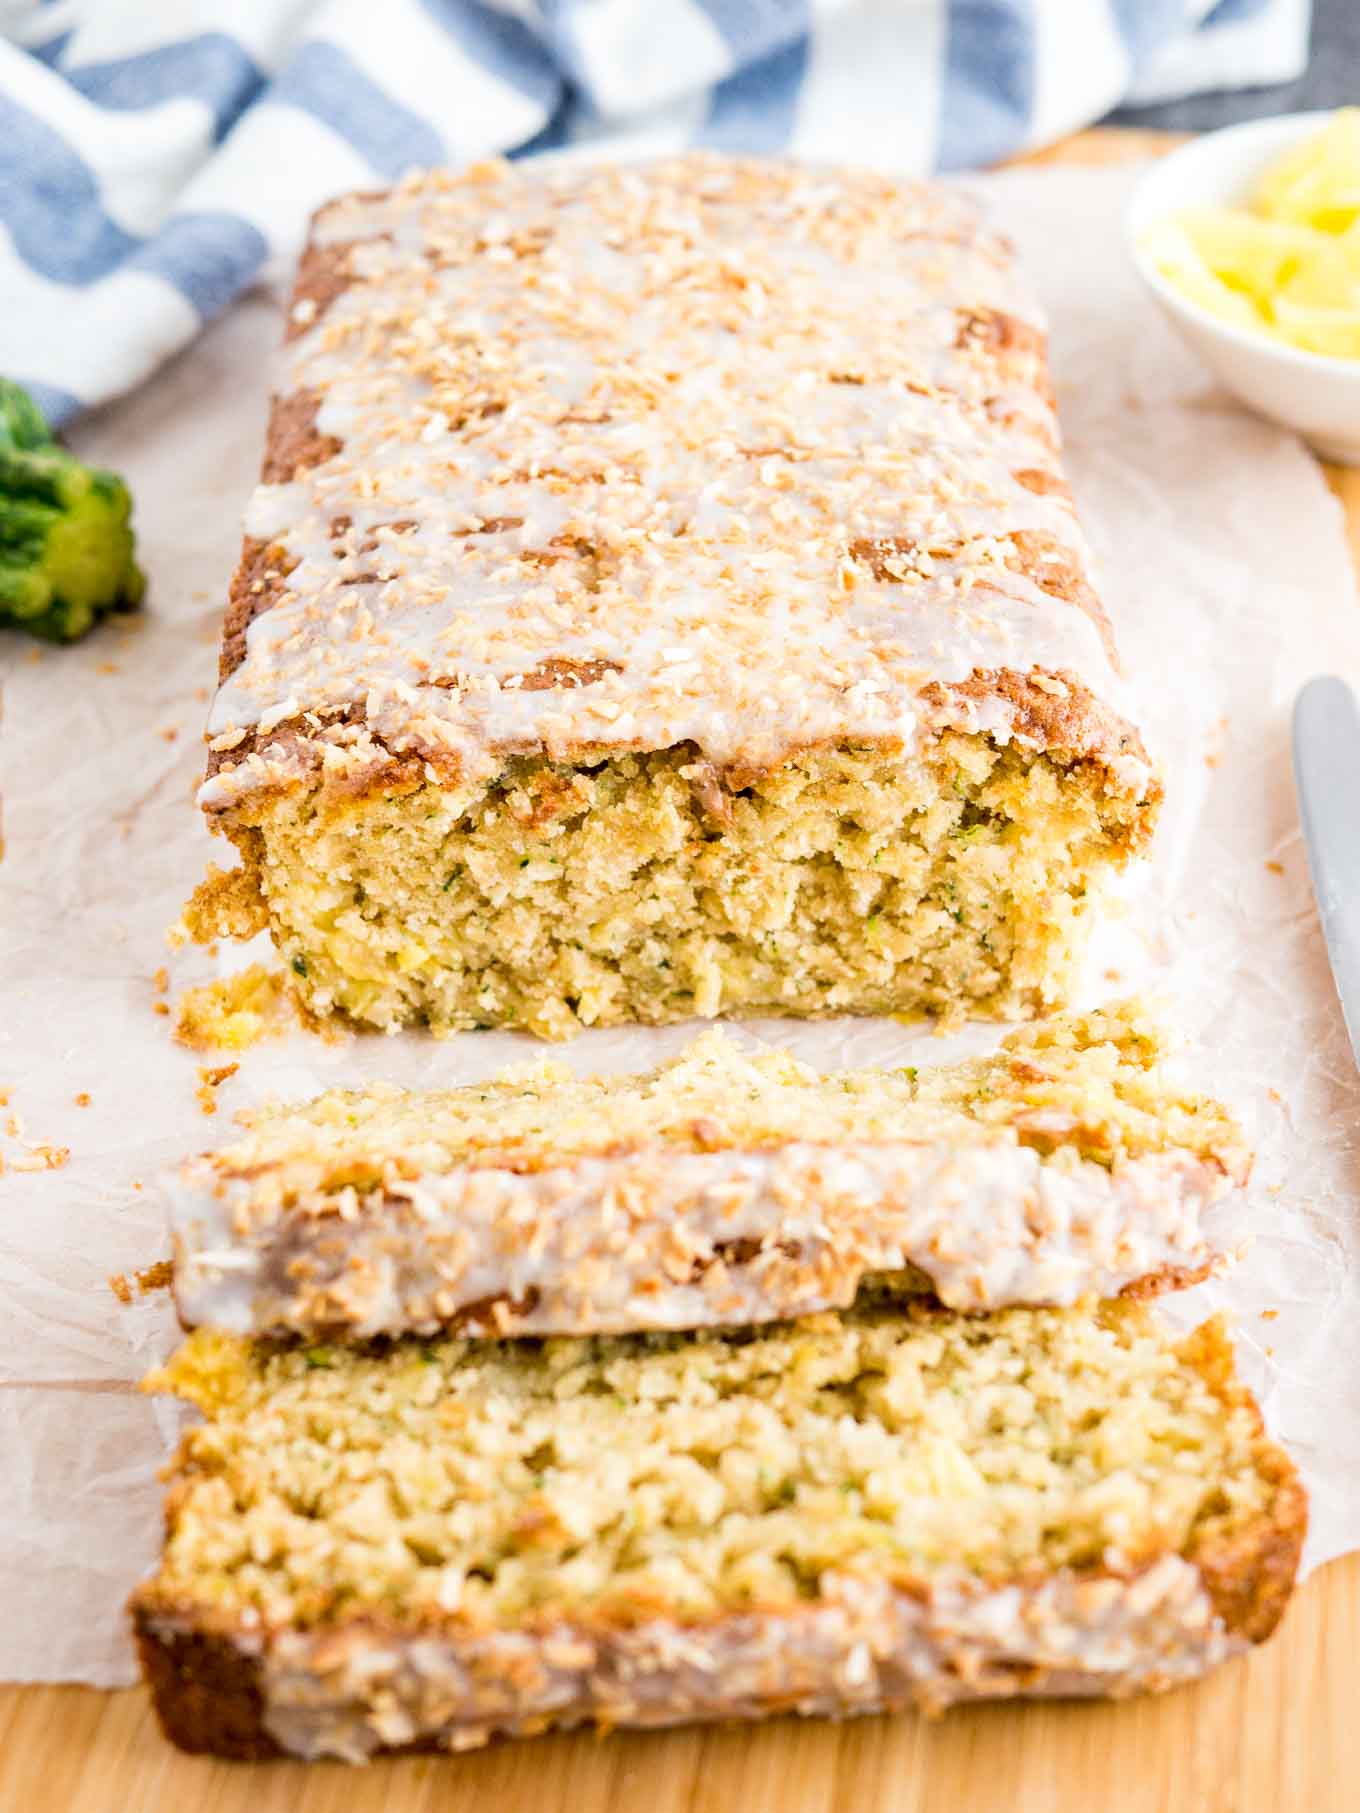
[[159, 156]]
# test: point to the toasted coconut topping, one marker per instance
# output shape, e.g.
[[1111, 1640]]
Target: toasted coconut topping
[[742, 455]]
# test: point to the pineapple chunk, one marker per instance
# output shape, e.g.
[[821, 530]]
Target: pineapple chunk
[[1286, 267], [1317, 183], [1256, 257], [1178, 258], [1332, 331], [1329, 275]]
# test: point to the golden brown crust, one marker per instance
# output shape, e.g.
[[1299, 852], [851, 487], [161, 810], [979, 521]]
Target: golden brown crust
[[1169, 1278], [1055, 712], [324, 273], [293, 443], [888, 556], [1043, 482], [206, 1690], [561, 672], [1017, 350], [1004, 337], [1055, 569], [1249, 1576], [495, 1318], [256, 584]]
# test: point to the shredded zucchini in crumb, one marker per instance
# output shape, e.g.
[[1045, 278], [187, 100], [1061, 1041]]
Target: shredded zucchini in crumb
[[627, 1477], [566, 896]]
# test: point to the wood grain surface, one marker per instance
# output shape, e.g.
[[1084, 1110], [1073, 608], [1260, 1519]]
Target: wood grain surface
[[1278, 1732]]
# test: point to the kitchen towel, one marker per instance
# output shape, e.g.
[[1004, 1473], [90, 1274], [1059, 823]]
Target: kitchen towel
[[157, 157]]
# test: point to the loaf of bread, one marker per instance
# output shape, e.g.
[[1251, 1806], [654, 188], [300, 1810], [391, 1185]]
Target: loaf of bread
[[662, 598], [436, 1543], [728, 1186]]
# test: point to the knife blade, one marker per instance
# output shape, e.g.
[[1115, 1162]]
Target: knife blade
[[1327, 780]]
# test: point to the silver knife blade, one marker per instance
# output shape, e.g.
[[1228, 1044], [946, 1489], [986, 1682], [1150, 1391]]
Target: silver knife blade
[[1327, 779]]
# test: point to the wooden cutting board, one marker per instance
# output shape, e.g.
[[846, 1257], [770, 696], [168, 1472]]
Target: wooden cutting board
[[1278, 1732]]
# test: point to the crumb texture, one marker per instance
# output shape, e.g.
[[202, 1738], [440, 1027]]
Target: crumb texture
[[638, 889], [511, 1486]]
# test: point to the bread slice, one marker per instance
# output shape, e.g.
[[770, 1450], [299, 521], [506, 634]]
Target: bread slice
[[728, 1186], [428, 1545], [662, 598]]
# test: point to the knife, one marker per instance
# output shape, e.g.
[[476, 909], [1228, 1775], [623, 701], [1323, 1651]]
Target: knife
[[1327, 778]]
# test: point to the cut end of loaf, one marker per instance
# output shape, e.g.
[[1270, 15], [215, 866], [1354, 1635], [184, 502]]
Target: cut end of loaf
[[647, 888]]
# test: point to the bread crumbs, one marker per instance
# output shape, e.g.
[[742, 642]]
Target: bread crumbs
[[237, 1011], [41, 1157], [149, 1278], [209, 1077]]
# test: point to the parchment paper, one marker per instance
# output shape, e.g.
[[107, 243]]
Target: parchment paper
[[1227, 574]]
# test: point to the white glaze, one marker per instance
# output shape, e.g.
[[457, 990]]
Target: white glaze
[[709, 310], [860, 1647], [624, 1243]]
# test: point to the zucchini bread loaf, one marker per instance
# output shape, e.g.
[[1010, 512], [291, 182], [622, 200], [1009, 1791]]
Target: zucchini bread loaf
[[728, 1186], [432, 1544], [663, 598]]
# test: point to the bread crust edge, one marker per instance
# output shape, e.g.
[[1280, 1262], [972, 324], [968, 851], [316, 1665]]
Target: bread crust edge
[[210, 1682]]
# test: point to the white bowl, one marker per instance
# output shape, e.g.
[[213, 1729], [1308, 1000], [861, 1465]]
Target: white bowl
[[1317, 396]]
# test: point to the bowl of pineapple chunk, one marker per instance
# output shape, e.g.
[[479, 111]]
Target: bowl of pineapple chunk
[[1249, 239]]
